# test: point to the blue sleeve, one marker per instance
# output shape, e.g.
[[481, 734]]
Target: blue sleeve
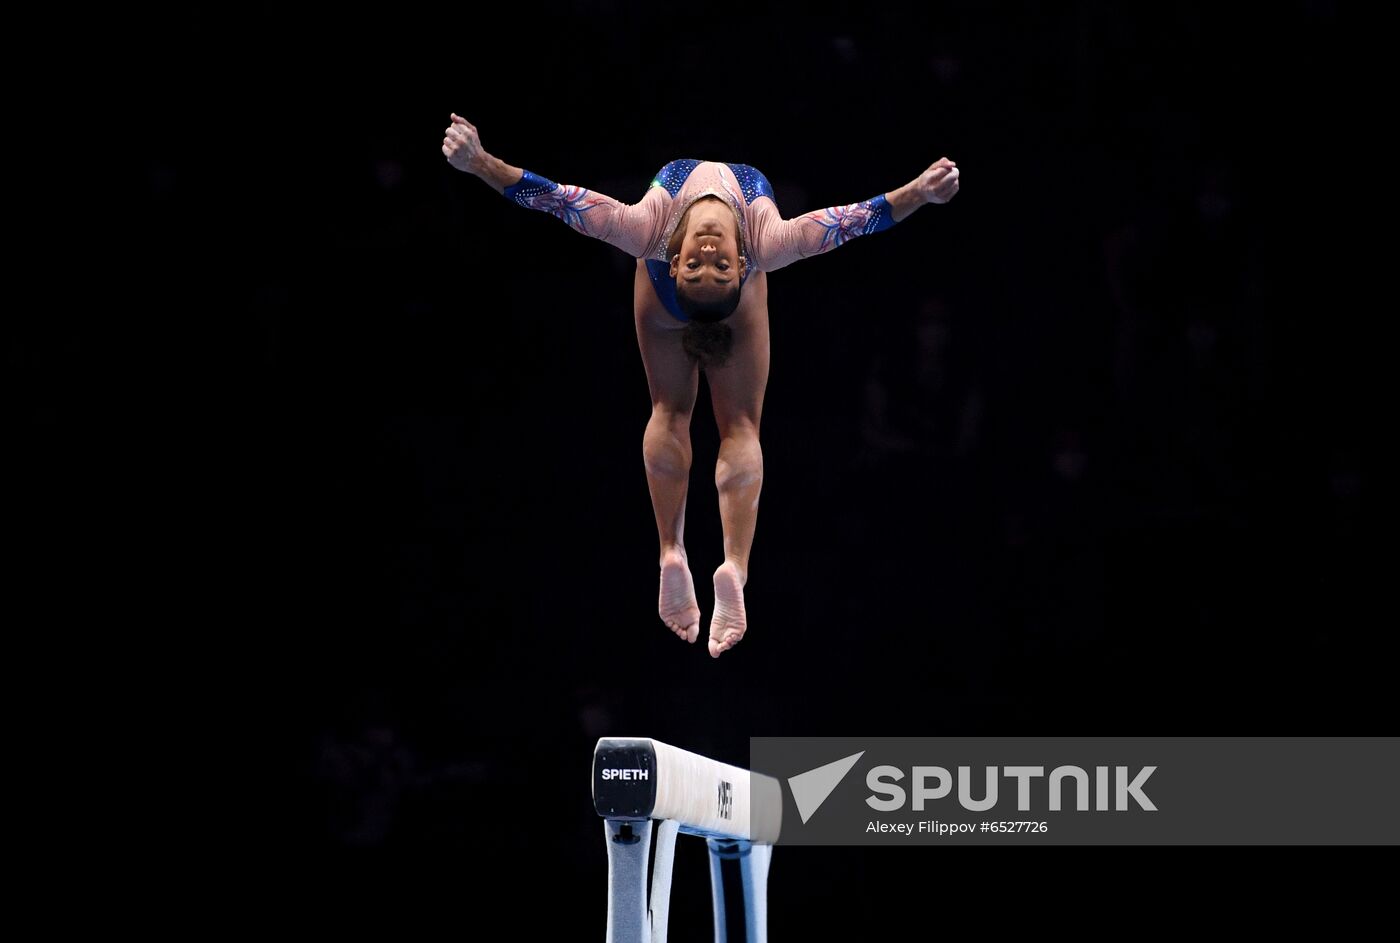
[[884, 215], [530, 186]]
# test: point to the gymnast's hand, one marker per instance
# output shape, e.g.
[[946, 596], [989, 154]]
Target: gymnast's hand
[[462, 145], [939, 183]]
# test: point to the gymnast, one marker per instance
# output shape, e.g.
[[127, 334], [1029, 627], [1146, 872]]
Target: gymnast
[[704, 235]]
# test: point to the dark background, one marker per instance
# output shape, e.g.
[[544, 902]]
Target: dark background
[[1088, 451]]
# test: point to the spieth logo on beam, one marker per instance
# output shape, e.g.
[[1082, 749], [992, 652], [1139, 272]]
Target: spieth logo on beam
[[628, 774]]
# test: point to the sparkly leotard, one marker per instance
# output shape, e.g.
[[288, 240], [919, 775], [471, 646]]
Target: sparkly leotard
[[644, 229]]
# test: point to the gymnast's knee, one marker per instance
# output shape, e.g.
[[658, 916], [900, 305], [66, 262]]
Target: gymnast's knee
[[669, 420], [740, 462], [666, 445]]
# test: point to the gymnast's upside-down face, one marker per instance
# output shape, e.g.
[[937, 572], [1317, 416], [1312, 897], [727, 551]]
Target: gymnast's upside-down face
[[709, 263]]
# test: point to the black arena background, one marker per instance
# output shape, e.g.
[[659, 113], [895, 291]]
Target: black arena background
[[1088, 451]]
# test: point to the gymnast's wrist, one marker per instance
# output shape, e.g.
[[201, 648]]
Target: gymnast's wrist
[[480, 165], [500, 175], [904, 201]]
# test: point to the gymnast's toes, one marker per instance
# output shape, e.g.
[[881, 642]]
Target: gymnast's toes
[[729, 623], [676, 605]]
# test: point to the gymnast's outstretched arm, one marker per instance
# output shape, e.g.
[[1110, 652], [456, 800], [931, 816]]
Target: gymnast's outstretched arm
[[778, 242], [630, 227]]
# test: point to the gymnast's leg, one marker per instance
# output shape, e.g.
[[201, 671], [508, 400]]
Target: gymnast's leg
[[736, 391], [673, 379]]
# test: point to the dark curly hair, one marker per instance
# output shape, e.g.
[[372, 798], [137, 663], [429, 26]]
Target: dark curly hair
[[706, 338]]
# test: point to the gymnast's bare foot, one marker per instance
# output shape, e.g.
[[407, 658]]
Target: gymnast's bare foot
[[729, 623], [677, 606]]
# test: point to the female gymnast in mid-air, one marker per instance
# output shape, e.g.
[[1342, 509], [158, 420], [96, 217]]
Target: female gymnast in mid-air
[[705, 236]]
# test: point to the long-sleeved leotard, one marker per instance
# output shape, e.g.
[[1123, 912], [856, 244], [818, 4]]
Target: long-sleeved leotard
[[644, 229]]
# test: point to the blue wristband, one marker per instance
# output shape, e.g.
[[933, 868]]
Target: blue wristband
[[530, 186]]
